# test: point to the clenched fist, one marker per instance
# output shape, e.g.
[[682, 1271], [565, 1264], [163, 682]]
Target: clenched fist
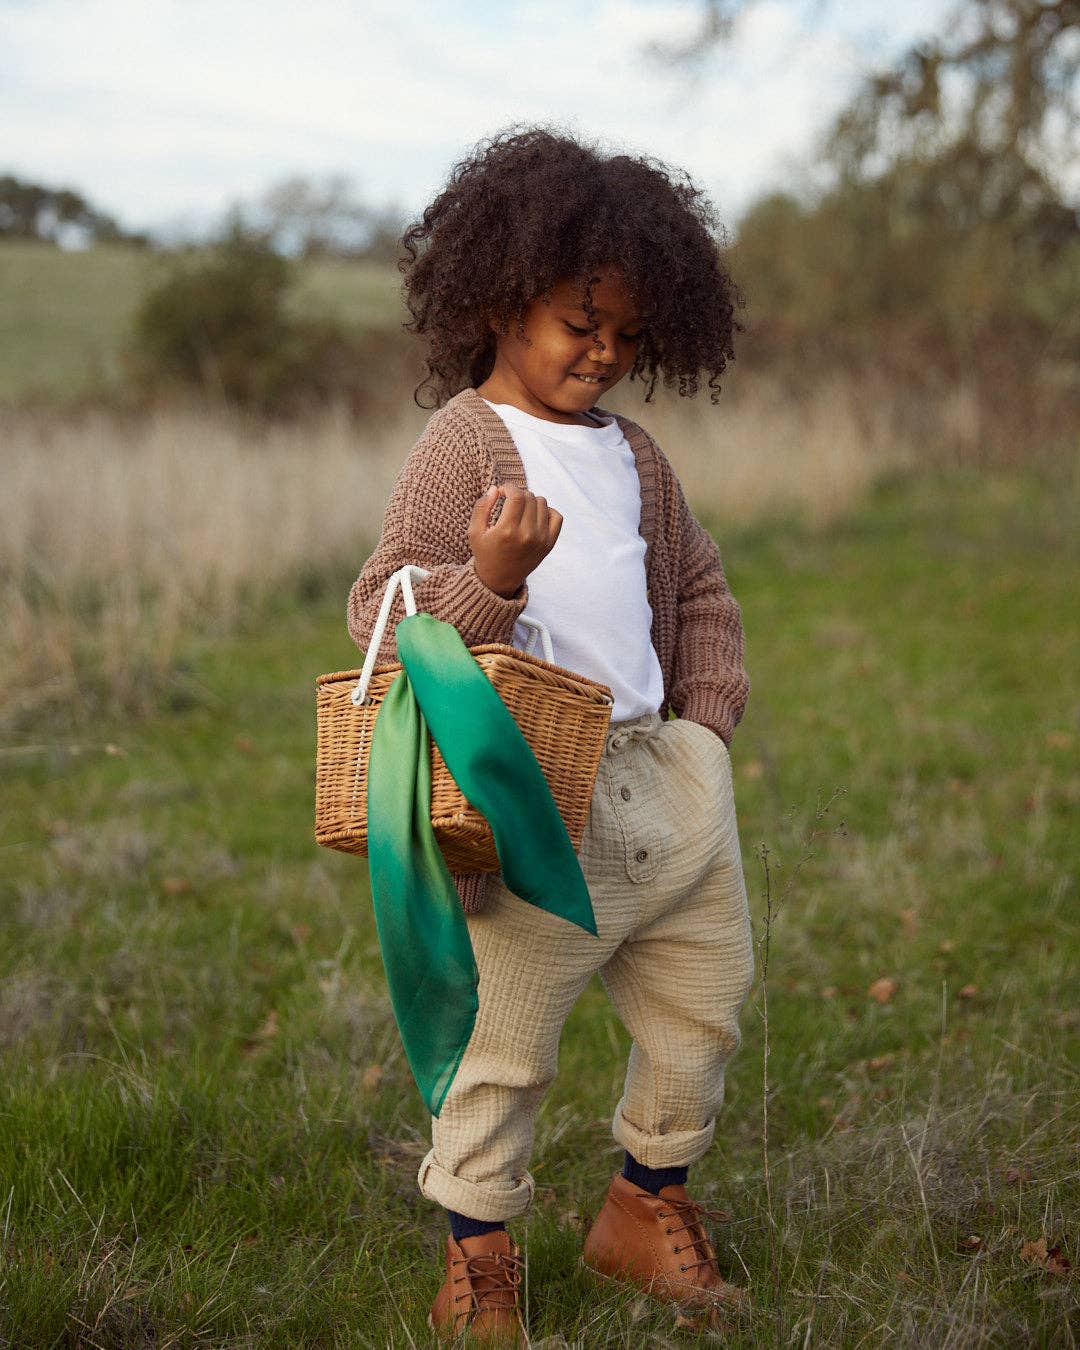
[[521, 538]]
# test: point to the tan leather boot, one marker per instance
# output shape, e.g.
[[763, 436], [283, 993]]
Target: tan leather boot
[[659, 1243], [481, 1292]]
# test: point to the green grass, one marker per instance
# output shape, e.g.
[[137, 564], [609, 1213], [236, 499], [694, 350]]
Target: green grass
[[67, 314], [197, 1149]]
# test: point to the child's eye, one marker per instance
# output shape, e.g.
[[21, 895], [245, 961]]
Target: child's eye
[[582, 332]]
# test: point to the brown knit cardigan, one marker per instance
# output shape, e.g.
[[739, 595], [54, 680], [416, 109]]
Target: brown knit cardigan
[[465, 447]]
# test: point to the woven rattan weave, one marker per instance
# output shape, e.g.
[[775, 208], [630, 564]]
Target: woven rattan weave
[[563, 716]]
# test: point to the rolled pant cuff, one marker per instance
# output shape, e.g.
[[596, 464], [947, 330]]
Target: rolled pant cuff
[[680, 1148], [491, 1204]]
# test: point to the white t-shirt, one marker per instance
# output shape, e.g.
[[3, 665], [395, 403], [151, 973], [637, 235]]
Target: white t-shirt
[[590, 590]]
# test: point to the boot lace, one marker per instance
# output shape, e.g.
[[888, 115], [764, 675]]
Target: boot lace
[[494, 1279], [689, 1214]]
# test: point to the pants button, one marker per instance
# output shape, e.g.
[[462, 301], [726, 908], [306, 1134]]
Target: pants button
[[625, 794], [642, 854]]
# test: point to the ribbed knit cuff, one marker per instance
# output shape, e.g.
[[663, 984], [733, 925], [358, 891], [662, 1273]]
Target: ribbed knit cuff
[[712, 710], [472, 888], [478, 613]]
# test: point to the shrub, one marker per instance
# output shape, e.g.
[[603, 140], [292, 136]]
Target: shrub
[[219, 326]]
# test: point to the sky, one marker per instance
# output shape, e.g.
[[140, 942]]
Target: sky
[[164, 112]]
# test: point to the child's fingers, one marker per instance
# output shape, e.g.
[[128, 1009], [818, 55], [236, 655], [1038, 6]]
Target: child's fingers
[[514, 505], [530, 517], [543, 518], [482, 509]]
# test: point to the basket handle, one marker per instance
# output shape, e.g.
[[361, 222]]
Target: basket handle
[[404, 578], [539, 629]]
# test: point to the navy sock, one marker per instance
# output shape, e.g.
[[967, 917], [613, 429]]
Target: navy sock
[[462, 1226], [652, 1179]]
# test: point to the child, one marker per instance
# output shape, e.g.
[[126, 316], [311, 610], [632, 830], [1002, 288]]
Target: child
[[543, 274]]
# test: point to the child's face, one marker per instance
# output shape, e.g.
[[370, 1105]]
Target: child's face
[[562, 368]]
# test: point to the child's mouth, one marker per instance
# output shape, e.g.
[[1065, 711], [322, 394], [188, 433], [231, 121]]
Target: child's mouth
[[590, 379]]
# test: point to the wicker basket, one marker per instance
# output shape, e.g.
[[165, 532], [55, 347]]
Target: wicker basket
[[563, 716]]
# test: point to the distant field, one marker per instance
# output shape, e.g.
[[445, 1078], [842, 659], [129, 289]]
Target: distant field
[[66, 315]]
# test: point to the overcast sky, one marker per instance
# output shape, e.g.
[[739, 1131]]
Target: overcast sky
[[162, 112]]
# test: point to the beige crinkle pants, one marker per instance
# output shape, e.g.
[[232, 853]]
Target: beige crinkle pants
[[661, 859]]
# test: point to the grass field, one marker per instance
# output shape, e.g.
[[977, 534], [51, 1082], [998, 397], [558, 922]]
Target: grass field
[[208, 1135], [67, 314]]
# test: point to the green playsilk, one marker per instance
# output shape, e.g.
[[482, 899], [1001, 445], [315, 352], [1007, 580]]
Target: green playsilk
[[423, 936]]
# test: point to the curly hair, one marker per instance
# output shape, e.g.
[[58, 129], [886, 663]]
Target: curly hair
[[528, 207]]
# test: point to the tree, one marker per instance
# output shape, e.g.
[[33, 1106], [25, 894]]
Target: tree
[[311, 218], [977, 118], [972, 121], [33, 211]]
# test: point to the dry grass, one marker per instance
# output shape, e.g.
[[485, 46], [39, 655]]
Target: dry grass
[[762, 453], [119, 537]]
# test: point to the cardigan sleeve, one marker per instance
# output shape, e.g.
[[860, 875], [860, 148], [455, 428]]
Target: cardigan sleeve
[[709, 681], [426, 524]]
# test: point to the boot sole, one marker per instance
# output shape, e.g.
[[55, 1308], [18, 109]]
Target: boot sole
[[688, 1305], [444, 1337]]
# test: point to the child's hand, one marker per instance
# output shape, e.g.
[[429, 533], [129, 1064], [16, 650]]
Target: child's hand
[[521, 538]]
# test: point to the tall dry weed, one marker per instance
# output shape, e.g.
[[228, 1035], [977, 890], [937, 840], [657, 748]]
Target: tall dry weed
[[117, 538]]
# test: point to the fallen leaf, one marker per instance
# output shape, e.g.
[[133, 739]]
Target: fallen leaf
[[300, 933], [883, 990], [244, 744], [1058, 740], [880, 1062], [909, 919], [371, 1077], [946, 945], [752, 768], [968, 991], [1052, 1260], [829, 991], [1016, 1174], [972, 1243], [176, 885], [111, 749]]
